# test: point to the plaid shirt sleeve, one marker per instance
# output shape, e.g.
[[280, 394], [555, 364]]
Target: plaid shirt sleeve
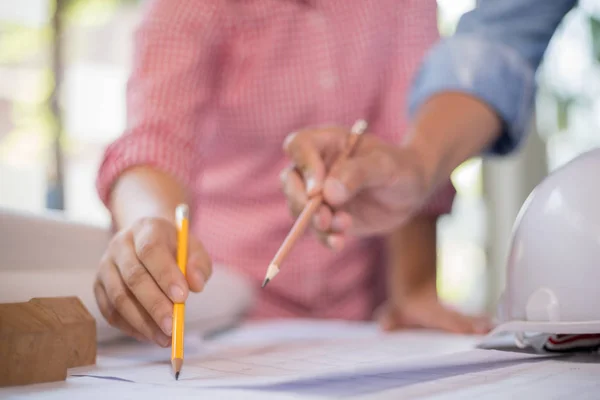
[[168, 93]]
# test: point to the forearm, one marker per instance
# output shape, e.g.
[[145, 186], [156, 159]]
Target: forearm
[[449, 129], [145, 192], [492, 59], [412, 249]]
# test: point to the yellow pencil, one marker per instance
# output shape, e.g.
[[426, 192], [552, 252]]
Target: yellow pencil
[[182, 218]]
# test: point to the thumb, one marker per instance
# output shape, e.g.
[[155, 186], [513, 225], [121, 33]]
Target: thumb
[[376, 169]]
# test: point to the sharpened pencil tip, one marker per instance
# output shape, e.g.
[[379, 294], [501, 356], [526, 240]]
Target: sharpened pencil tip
[[265, 282], [176, 376]]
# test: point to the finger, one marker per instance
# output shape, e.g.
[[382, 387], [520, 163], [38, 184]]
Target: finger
[[331, 228], [322, 218], [294, 190], [124, 302], [152, 263], [341, 222], [143, 287], [333, 241], [145, 292], [307, 150], [376, 169], [199, 267], [111, 315], [449, 320], [389, 319], [336, 241]]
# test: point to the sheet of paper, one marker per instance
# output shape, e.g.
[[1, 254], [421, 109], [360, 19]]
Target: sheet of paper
[[278, 352], [323, 360], [553, 378], [473, 374], [95, 389]]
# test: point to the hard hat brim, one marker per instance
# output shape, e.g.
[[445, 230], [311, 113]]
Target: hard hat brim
[[558, 327]]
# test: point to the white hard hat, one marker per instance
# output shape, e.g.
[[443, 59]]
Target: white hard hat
[[553, 266]]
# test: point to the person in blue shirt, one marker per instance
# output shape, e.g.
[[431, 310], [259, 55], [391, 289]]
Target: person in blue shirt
[[473, 95]]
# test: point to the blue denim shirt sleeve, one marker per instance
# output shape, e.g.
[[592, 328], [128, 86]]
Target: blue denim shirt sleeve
[[493, 55]]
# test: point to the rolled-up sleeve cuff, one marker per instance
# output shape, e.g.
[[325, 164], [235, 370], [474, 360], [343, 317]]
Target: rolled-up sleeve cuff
[[162, 152], [490, 71]]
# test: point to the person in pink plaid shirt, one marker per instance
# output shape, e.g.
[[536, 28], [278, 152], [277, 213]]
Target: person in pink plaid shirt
[[216, 91]]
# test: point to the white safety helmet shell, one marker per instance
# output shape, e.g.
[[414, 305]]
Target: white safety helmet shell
[[553, 266]]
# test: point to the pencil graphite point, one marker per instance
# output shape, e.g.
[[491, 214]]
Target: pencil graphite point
[[177, 363], [271, 272]]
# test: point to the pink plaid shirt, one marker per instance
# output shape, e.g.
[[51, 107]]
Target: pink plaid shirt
[[217, 85]]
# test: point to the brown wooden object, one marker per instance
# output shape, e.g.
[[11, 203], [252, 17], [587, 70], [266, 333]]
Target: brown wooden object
[[42, 338]]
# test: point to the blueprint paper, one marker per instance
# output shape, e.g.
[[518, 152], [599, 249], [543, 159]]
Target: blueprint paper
[[325, 360]]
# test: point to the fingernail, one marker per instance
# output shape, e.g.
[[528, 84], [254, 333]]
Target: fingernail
[[311, 184], [167, 325], [336, 191], [336, 243], [288, 139], [337, 224], [177, 294]]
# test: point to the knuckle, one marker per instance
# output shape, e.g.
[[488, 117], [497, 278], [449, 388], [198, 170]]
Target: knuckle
[[118, 297], [162, 275], [158, 309], [117, 241], [111, 315], [147, 246], [134, 274], [142, 224]]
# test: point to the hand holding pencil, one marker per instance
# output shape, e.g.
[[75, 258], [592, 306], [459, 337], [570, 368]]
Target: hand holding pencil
[[139, 279], [311, 207], [371, 191]]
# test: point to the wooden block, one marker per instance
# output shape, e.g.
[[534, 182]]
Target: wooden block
[[42, 338]]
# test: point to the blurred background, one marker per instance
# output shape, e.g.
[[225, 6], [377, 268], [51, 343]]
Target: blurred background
[[63, 70]]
